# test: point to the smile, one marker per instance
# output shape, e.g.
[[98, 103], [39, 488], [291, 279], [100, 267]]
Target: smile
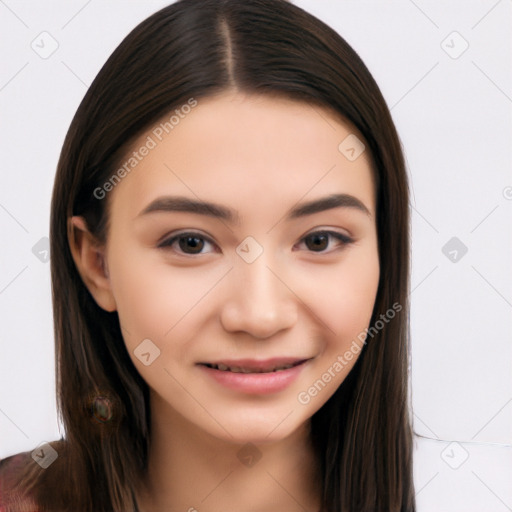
[[255, 377], [238, 369]]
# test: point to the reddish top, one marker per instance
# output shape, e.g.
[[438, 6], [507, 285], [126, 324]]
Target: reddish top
[[11, 500]]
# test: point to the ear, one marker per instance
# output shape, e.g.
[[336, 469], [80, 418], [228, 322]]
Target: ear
[[90, 261]]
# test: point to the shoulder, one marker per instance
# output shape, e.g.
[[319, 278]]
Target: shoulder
[[12, 469], [18, 472]]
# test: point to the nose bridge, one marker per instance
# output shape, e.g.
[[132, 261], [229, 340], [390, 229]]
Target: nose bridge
[[259, 284], [259, 302]]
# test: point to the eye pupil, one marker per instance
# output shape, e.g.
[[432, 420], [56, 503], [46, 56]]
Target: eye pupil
[[319, 241], [191, 242]]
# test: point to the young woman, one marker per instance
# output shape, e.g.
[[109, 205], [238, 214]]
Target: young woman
[[230, 271]]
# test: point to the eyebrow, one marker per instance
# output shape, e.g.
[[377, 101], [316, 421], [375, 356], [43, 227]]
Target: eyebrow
[[189, 205]]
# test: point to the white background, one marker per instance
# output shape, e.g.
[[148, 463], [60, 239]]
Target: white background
[[453, 113]]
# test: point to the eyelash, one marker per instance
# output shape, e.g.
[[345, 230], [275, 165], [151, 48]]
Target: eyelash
[[168, 243]]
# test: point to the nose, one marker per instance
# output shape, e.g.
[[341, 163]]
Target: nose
[[259, 302]]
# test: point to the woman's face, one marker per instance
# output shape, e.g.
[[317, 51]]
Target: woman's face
[[226, 263]]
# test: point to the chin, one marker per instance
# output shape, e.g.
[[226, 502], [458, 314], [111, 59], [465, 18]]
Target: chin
[[260, 427]]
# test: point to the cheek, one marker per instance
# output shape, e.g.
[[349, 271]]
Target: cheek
[[344, 298], [141, 292], [152, 303], [344, 303], [155, 300]]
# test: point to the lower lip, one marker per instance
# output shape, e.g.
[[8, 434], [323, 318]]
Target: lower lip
[[256, 383]]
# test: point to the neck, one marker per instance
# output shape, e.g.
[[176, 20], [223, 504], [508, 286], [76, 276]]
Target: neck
[[190, 470]]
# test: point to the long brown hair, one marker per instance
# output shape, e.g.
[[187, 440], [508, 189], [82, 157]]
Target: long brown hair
[[195, 49]]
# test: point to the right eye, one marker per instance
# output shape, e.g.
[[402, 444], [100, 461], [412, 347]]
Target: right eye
[[189, 243]]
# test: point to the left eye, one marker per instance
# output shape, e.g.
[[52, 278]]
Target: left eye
[[319, 241], [194, 243]]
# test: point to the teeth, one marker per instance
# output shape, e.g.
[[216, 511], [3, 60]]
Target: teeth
[[237, 369]]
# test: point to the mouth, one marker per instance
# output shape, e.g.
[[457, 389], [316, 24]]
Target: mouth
[[245, 366], [255, 377]]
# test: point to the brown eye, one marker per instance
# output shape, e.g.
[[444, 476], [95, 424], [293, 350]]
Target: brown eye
[[191, 244], [319, 241], [188, 243]]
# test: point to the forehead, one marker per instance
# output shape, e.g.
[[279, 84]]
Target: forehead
[[237, 148]]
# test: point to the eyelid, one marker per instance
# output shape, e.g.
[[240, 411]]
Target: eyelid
[[174, 234], [330, 231]]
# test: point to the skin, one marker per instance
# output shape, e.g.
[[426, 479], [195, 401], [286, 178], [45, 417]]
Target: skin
[[259, 156]]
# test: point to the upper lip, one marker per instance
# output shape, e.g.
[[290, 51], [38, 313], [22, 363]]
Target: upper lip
[[258, 364]]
